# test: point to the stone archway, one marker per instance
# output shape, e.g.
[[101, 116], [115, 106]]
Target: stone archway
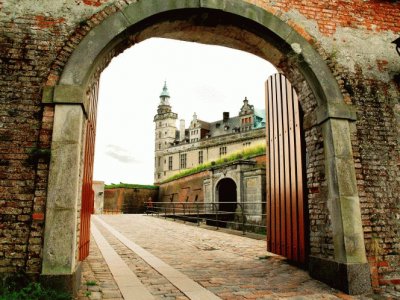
[[232, 23]]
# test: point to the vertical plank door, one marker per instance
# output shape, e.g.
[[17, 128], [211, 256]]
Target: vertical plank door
[[285, 195]]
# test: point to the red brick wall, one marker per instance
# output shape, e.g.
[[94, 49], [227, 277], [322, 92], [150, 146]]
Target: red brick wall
[[373, 15], [261, 159], [127, 201], [186, 189]]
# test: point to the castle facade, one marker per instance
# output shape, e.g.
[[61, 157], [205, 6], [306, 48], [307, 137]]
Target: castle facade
[[179, 149]]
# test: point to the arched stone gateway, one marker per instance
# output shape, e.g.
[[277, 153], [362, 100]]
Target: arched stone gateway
[[231, 23]]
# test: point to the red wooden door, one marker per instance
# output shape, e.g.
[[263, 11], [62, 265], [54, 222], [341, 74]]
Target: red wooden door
[[87, 189], [285, 199]]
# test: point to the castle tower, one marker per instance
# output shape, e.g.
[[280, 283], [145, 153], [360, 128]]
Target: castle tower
[[165, 133]]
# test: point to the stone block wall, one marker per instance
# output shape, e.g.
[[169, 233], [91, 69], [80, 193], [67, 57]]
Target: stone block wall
[[254, 191], [354, 39]]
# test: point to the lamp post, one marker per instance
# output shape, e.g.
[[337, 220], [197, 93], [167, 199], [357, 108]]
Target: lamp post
[[397, 43]]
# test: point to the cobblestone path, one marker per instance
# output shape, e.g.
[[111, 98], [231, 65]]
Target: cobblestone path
[[230, 266]]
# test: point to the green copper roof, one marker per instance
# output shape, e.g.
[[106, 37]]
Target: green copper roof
[[259, 118], [165, 92]]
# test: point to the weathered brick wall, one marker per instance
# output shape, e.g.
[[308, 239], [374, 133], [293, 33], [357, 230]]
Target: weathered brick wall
[[186, 189], [28, 48], [113, 200], [352, 36], [127, 200], [377, 157]]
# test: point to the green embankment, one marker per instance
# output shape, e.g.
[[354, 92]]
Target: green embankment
[[246, 153]]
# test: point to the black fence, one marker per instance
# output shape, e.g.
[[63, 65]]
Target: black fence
[[247, 216]]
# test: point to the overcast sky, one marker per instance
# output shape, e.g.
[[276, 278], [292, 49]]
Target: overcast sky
[[204, 79]]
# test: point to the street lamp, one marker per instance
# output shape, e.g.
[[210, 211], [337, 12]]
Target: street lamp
[[397, 43]]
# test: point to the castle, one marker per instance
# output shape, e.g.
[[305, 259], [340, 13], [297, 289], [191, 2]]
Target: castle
[[178, 150]]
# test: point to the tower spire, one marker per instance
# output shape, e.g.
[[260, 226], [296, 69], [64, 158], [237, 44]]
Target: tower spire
[[164, 97]]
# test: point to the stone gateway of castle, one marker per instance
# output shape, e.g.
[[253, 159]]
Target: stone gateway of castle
[[180, 149], [339, 57]]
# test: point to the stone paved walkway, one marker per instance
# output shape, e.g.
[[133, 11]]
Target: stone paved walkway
[[232, 267]]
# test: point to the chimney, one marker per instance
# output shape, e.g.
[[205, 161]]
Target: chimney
[[182, 130], [225, 116]]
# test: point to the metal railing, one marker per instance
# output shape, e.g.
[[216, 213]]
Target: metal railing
[[244, 216]]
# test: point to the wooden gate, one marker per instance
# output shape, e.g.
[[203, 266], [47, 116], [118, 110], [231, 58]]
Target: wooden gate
[[87, 189], [285, 205]]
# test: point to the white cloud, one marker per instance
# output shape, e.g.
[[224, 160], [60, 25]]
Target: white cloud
[[120, 154]]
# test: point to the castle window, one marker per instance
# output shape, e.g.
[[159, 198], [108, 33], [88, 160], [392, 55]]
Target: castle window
[[159, 161], [159, 146], [159, 134], [170, 163], [222, 150], [183, 161], [200, 157], [246, 120]]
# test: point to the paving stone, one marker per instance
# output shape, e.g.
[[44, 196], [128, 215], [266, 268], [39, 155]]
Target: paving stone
[[94, 288], [234, 271], [95, 296], [111, 294]]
